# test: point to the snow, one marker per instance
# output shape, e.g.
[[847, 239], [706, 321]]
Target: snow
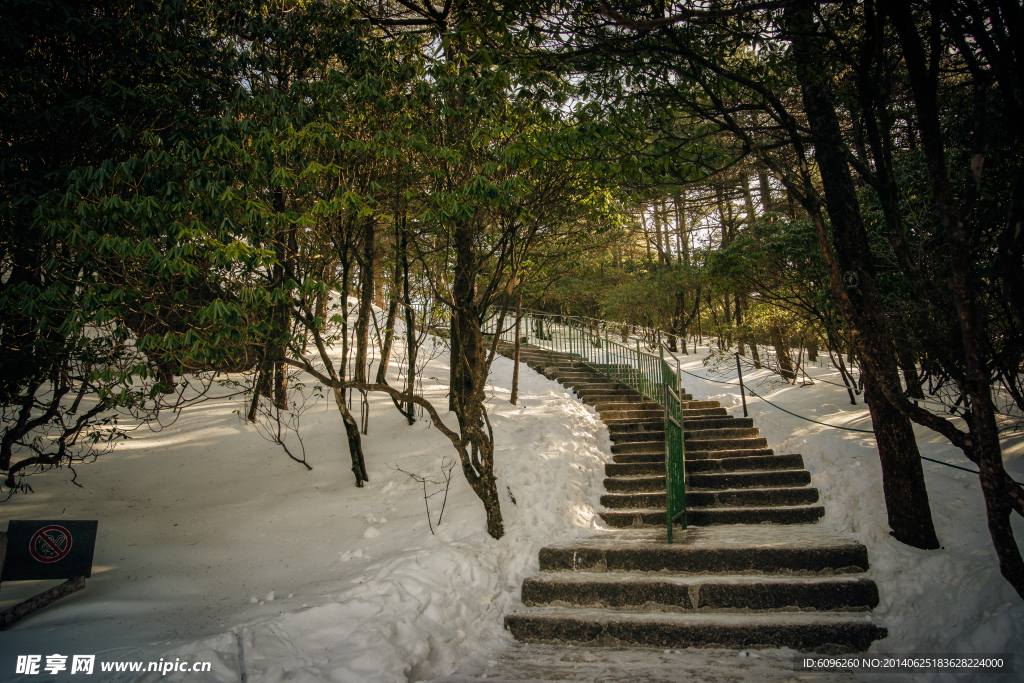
[[952, 600], [214, 546]]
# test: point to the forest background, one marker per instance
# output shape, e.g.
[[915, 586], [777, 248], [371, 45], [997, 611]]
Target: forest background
[[191, 191]]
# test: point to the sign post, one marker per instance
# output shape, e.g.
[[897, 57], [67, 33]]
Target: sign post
[[33, 550]]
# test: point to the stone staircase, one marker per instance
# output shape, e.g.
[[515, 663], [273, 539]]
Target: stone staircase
[[752, 569]]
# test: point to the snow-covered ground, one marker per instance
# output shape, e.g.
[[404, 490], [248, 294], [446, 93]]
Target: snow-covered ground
[[952, 600], [214, 546]]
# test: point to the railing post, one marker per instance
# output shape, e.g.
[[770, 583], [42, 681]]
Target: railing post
[[661, 366], [607, 351], [743, 394], [639, 375]]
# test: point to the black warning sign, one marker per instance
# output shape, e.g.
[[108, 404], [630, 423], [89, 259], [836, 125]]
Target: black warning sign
[[44, 549]]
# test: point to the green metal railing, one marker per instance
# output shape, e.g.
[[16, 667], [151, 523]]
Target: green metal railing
[[675, 450], [637, 363]]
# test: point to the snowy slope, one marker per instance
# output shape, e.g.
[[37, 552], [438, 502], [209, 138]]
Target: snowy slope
[[211, 540], [212, 543], [952, 600]]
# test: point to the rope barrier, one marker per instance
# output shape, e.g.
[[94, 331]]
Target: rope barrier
[[825, 424], [807, 419]]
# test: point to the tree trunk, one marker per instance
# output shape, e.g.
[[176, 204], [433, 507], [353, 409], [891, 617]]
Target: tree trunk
[[468, 355], [903, 482], [389, 326], [515, 354], [728, 320], [786, 368], [365, 303], [280, 385], [410, 321], [908, 365], [767, 204], [847, 258], [355, 444], [847, 377], [984, 432]]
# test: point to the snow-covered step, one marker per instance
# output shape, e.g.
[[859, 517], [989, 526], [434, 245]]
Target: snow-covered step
[[710, 593], [826, 632]]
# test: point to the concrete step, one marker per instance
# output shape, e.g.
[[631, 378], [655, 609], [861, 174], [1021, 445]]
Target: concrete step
[[651, 454], [572, 380], [689, 424], [646, 424], [568, 365], [606, 387], [620, 415], [747, 480], [595, 397], [708, 593], [734, 464], [730, 498], [701, 405], [793, 461], [726, 444], [603, 398], [563, 370], [615, 406], [831, 633], [808, 514], [764, 549], [636, 426], [639, 447], [714, 422], [704, 412], [694, 454], [634, 469], [715, 433], [636, 437], [712, 481]]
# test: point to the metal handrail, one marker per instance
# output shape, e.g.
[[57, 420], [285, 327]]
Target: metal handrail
[[645, 371]]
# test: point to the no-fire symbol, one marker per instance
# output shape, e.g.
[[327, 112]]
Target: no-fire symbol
[[50, 544]]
